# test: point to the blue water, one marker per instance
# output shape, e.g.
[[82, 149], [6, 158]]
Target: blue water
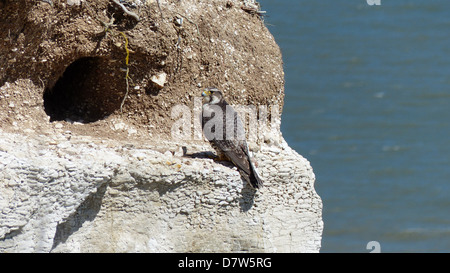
[[368, 104]]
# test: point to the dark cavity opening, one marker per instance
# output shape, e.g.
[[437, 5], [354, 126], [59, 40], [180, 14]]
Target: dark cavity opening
[[86, 92]]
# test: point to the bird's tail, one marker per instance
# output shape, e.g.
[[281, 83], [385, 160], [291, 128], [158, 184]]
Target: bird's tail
[[254, 179]]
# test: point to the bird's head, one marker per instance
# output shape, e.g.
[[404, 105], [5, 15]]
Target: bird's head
[[211, 95]]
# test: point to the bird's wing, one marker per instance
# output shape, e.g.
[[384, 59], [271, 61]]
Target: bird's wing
[[236, 152], [235, 145]]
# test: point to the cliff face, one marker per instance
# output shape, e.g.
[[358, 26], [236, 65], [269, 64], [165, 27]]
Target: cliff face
[[80, 175]]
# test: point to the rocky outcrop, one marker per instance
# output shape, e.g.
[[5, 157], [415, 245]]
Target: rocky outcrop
[[87, 177], [87, 195]]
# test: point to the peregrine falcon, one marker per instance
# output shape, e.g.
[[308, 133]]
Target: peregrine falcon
[[224, 130]]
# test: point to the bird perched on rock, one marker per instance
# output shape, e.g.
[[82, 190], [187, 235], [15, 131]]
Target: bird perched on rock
[[223, 128]]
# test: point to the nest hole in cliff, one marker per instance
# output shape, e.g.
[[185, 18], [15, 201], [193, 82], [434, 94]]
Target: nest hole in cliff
[[90, 89]]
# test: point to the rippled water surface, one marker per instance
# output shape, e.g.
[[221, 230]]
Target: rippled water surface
[[368, 103]]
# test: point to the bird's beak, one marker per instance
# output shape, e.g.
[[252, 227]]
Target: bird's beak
[[206, 93]]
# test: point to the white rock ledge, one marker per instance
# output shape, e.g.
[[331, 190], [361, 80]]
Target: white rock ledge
[[88, 195]]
